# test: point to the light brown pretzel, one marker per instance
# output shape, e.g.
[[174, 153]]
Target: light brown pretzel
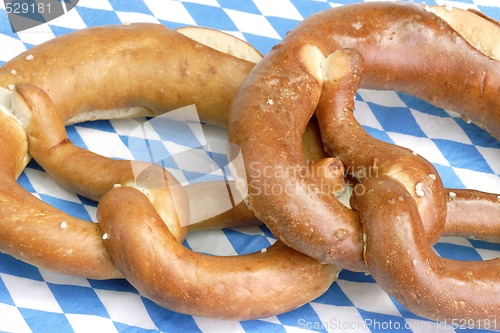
[[317, 67], [80, 246], [75, 85]]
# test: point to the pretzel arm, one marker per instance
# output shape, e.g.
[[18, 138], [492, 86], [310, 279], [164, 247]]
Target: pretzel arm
[[36, 232], [164, 70], [83, 171], [472, 214], [241, 287]]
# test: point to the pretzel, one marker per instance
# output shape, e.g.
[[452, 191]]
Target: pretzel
[[293, 67], [317, 67], [78, 246], [71, 81]]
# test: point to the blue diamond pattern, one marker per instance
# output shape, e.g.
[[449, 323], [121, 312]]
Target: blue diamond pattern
[[209, 16], [46, 322]]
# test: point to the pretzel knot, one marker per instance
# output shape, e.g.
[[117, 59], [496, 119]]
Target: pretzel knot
[[400, 204]]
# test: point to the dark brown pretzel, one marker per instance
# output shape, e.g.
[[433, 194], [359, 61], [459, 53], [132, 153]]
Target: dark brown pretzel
[[282, 92], [318, 67]]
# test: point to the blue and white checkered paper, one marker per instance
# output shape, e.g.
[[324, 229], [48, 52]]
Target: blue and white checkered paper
[[35, 300]]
